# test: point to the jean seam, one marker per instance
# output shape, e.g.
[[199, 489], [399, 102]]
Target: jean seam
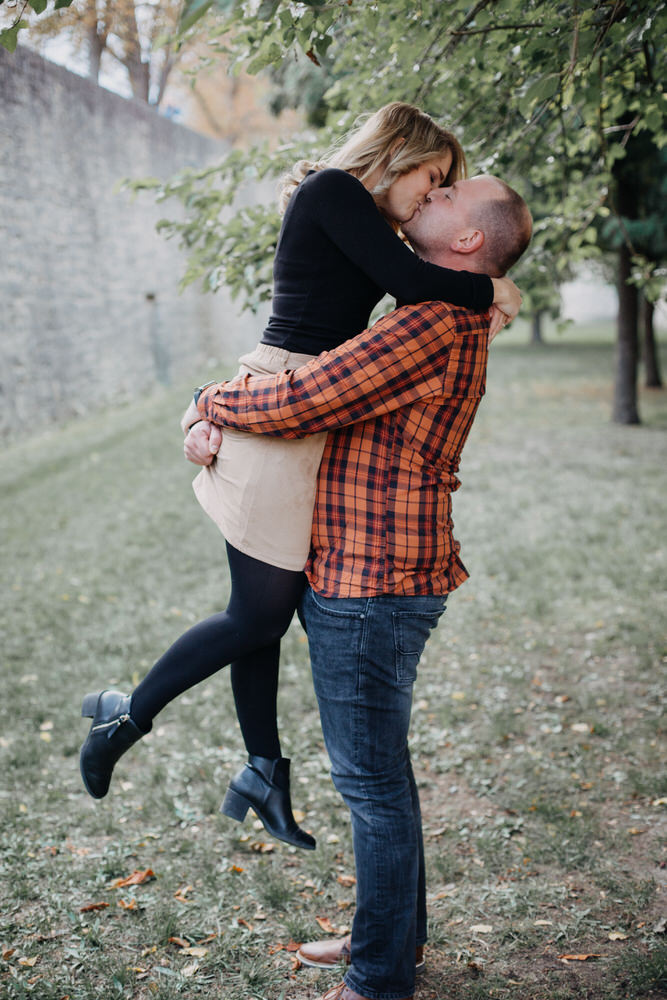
[[337, 614]]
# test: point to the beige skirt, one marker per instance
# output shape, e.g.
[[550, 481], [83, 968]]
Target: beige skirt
[[260, 490]]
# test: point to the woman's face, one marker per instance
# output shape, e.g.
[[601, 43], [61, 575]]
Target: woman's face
[[408, 192]]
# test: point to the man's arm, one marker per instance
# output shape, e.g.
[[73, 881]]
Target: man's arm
[[399, 361]]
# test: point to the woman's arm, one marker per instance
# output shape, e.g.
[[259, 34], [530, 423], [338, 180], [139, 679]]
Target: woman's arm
[[347, 214]]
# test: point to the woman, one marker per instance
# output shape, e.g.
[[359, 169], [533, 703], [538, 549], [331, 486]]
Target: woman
[[336, 256]]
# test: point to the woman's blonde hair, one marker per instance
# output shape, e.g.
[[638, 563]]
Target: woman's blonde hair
[[397, 139]]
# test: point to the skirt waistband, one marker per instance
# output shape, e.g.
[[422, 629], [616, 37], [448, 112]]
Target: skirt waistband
[[275, 357]]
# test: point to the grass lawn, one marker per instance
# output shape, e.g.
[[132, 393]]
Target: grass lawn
[[536, 726]]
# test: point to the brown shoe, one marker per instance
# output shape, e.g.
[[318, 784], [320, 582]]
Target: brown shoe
[[329, 954], [343, 992]]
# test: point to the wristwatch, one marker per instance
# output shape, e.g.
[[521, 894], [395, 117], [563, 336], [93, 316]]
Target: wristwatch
[[200, 389]]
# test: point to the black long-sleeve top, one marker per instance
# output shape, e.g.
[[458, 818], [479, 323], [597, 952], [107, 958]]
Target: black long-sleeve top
[[337, 256]]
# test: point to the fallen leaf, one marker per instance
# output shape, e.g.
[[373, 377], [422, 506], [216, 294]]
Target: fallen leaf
[[326, 925], [29, 961], [659, 802], [261, 847], [661, 926], [46, 726], [179, 941], [93, 906], [8, 953], [128, 904], [481, 928], [347, 880], [579, 958], [136, 878], [617, 936], [244, 923], [292, 945], [181, 893], [235, 868], [634, 831], [299, 815], [296, 964], [580, 727], [543, 923], [195, 951], [190, 969], [209, 937]]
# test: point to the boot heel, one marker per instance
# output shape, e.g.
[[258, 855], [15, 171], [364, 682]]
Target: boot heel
[[234, 805], [89, 705]]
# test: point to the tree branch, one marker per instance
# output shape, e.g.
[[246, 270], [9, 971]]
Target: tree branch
[[497, 27]]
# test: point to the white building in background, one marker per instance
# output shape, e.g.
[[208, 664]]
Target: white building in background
[[589, 298]]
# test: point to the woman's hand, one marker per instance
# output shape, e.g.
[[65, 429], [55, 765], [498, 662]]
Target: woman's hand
[[506, 296], [202, 443], [497, 321]]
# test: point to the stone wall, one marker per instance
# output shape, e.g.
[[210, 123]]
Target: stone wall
[[89, 301]]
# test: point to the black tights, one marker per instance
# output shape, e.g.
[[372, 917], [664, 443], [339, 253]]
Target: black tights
[[247, 635]]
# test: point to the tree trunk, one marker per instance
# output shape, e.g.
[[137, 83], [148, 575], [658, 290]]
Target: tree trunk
[[139, 73], [536, 327], [627, 341], [625, 388], [650, 352], [96, 46]]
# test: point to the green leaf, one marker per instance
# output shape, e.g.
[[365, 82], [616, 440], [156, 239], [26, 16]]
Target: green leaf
[[265, 57], [59, 4], [267, 9], [39, 6], [9, 37], [192, 11]]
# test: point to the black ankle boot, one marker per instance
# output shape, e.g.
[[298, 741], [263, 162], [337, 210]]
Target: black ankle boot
[[263, 785], [111, 734]]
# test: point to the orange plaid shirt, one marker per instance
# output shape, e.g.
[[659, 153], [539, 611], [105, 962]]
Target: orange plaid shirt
[[400, 399]]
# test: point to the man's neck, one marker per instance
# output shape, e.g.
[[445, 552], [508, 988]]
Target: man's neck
[[453, 261]]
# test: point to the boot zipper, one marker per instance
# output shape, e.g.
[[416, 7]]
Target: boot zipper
[[114, 722]]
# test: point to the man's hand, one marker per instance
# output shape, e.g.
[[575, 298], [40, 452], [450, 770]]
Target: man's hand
[[202, 443]]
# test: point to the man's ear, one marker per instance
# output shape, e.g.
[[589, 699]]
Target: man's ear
[[468, 241]]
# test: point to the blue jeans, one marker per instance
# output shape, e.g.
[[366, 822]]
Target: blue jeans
[[364, 654]]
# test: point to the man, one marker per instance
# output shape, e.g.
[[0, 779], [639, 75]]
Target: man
[[400, 399]]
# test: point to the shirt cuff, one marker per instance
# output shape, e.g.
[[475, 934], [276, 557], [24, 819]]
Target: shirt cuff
[[202, 402]]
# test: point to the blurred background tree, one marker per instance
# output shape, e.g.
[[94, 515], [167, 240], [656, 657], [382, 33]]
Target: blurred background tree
[[124, 31]]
